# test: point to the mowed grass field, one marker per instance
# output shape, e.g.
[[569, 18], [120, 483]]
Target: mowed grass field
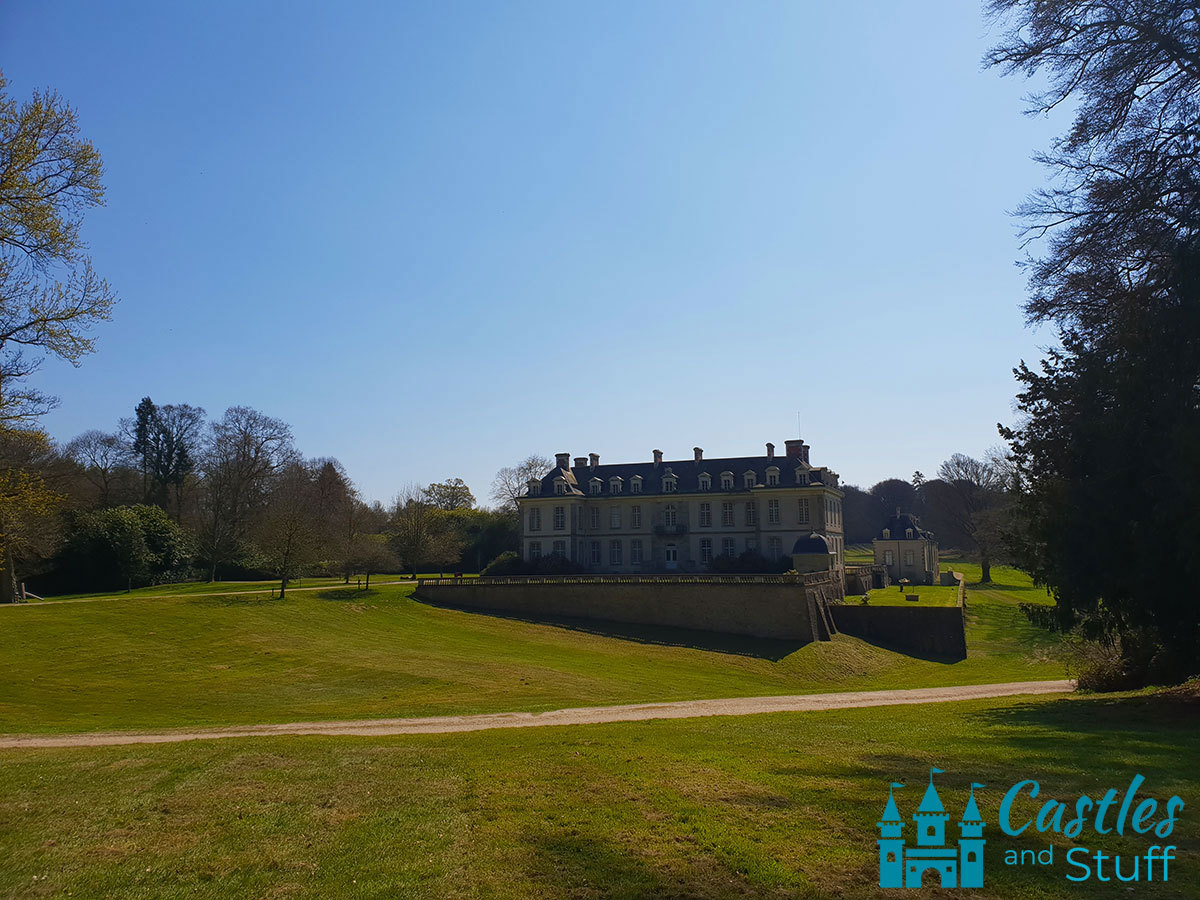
[[141, 662], [768, 806]]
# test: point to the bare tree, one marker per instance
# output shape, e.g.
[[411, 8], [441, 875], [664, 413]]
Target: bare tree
[[973, 498], [102, 457], [419, 532], [50, 297], [244, 449], [511, 482], [286, 528]]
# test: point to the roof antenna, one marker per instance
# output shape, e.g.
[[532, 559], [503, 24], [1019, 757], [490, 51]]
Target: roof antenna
[[799, 429]]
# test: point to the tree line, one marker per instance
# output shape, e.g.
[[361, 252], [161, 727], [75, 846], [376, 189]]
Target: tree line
[[171, 495]]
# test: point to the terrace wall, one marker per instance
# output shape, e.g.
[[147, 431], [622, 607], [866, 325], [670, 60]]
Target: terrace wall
[[788, 607]]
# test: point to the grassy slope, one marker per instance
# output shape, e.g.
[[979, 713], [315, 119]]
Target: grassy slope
[[765, 806], [143, 663]]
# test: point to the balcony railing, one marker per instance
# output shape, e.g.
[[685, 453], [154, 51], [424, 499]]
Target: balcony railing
[[670, 530]]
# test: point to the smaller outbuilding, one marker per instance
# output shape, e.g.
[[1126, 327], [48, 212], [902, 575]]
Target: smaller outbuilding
[[813, 554], [907, 550]]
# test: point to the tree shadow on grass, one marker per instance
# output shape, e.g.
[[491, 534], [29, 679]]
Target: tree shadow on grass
[[659, 635], [346, 594]]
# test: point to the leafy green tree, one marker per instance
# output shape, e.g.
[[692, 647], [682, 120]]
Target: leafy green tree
[[1105, 454], [28, 502], [123, 545], [452, 493], [50, 298]]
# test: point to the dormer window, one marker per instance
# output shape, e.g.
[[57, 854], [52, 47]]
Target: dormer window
[[772, 477], [535, 488], [670, 483], [749, 480], [705, 481], [727, 481], [908, 533], [801, 476], [887, 534], [595, 485], [560, 485], [635, 484], [615, 484]]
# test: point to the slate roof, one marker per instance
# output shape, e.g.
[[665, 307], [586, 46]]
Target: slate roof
[[898, 525], [814, 543], [687, 473]]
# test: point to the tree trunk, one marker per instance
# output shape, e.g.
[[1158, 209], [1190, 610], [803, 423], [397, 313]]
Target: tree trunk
[[212, 575], [282, 586], [368, 579], [985, 563], [8, 582]]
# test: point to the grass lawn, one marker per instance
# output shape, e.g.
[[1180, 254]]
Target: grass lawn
[[778, 805], [341, 653], [928, 595]]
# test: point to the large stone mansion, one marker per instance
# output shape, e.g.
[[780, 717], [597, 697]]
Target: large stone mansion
[[680, 515]]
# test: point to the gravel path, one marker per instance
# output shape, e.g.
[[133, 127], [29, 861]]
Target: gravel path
[[584, 715]]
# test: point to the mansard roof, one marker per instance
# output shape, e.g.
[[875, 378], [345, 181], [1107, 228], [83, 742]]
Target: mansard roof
[[688, 471], [898, 525]]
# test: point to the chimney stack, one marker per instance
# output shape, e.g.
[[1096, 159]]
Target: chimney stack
[[580, 462], [797, 449], [562, 460], [658, 457], [699, 453], [593, 459], [770, 450]]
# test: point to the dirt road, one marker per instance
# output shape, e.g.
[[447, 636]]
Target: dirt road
[[584, 715]]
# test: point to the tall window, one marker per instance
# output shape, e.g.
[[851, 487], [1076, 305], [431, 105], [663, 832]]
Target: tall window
[[614, 517], [727, 481], [705, 482], [595, 553], [706, 550], [535, 519], [728, 547], [705, 515], [560, 548], [635, 484], [560, 518], [727, 513], [772, 477], [669, 515], [614, 553], [535, 549], [772, 512], [635, 552], [774, 549], [908, 557], [635, 516], [594, 517], [887, 557], [751, 513], [804, 512]]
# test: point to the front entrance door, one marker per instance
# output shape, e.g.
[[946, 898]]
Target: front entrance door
[[672, 557]]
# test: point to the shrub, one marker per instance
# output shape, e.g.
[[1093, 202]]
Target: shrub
[[507, 563]]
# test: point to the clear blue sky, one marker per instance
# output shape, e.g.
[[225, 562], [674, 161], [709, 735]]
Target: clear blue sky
[[438, 237]]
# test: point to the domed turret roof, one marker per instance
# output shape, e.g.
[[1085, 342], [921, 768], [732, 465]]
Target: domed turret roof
[[814, 543]]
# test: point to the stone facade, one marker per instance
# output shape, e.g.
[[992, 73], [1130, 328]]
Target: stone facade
[[906, 550], [680, 515]]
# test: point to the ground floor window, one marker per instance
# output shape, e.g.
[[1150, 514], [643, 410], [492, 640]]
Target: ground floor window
[[706, 555], [774, 549], [751, 545], [560, 548], [635, 552], [535, 550], [595, 553], [614, 553], [908, 557], [887, 557], [728, 547]]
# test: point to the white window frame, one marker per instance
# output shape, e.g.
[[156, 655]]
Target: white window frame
[[774, 548], [594, 551], [706, 551], [670, 515], [635, 552], [805, 511], [635, 484], [596, 485], [560, 549], [614, 553], [615, 484], [635, 516], [535, 550], [614, 517], [705, 482], [751, 513], [593, 517], [706, 515], [727, 481], [749, 480], [560, 518], [728, 547], [535, 519], [773, 477], [727, 514], [773, 512]]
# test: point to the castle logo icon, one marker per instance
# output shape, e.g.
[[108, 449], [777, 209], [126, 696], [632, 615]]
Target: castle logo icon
[[901, 865]]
